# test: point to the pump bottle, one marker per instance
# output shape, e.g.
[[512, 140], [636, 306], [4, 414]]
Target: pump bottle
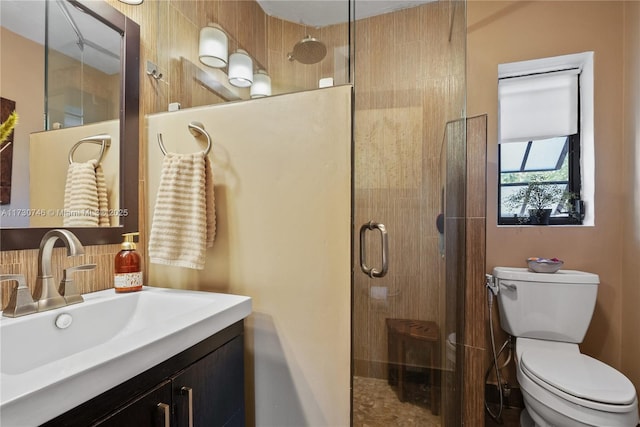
[[128, 269]]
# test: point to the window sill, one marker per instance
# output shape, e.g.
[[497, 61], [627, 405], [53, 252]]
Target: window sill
[[543, 226]]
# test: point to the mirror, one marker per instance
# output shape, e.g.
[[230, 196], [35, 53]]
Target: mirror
[[124, 110]]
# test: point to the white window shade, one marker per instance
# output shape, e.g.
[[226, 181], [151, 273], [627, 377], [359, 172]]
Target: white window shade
[[539, 106]]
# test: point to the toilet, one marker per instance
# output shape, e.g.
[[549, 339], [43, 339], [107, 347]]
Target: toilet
[[548, 314]]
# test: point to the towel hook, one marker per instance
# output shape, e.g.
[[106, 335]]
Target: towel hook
[[196, 129], [102, 139]]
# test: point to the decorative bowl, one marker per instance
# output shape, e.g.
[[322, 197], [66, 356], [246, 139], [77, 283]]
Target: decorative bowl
[[545, 265]]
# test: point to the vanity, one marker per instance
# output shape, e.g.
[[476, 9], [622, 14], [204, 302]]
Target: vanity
[[203, 385], [157, 357]]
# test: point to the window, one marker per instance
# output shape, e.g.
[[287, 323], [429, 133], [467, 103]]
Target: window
[[542, 148], [553, 163]]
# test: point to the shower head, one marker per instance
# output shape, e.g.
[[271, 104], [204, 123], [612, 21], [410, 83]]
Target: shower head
[[308, 51]]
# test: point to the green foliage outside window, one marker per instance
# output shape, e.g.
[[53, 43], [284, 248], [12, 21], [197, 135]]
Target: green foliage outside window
[[561, 174]]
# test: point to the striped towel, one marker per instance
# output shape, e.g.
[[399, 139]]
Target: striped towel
[[85, 196], [184, 221]]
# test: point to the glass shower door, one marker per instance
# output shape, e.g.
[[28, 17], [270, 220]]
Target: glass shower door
[[409, 83]]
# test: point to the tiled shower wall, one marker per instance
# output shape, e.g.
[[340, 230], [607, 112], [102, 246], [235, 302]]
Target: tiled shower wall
[[475, 309], [464, 158], [174, 39]]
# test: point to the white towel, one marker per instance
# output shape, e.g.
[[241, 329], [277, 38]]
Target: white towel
[[184, 221], [85, 196]]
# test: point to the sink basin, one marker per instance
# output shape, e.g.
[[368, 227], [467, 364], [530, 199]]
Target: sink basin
[[52, 361]]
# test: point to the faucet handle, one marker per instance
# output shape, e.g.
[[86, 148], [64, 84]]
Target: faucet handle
[[67, 288], [20, 302]]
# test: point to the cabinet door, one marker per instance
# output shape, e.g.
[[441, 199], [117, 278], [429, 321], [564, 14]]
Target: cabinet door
[[211, 391], [152, 409]]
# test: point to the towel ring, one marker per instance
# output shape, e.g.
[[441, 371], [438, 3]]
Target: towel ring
[[102, 139], [196, 129]]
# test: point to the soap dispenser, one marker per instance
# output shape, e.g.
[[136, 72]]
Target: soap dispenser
[[128, 266]]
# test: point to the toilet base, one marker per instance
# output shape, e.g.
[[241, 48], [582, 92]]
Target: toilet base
[[525, 419]]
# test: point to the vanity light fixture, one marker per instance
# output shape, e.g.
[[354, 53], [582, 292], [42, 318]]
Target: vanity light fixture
[[261, 86], [240, 69], [214, 46], [134, 2]]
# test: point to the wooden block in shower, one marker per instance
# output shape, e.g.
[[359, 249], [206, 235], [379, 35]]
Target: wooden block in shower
[[403, 334]]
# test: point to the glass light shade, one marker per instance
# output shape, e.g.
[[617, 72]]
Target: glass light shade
[[261, 86], [134, 2], [240, 69], [214, 47]]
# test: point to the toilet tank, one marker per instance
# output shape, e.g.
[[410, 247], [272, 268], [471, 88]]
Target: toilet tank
[[550, 306]]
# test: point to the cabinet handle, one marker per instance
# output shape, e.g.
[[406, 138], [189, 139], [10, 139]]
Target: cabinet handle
[[189, 392], [164, 414]]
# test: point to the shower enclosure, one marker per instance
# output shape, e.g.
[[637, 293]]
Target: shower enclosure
[[409, 140], [407, 69]]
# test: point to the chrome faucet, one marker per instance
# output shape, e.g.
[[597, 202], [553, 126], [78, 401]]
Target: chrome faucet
[[45, 292], [21, 302], [45, 295], [68, 288]]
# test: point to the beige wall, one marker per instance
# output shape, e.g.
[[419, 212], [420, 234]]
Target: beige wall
[[500, 32], [283, 208], [631, 207]]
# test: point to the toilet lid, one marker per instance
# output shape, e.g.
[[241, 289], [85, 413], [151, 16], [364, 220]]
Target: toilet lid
[[579, 375]]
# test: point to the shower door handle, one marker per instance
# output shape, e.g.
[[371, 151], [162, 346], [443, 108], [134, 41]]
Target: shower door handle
[[369, 271]]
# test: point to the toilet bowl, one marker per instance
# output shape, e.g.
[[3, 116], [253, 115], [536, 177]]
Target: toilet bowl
[[549, 314], [562, 387]]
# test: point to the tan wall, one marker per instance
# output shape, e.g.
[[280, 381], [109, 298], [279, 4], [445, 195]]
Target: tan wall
[[283, 208], [631, 207], [500, 32]]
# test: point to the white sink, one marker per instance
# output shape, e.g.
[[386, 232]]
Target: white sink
[[46, 370]]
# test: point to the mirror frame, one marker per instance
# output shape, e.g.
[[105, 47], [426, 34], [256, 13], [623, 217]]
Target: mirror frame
[[29, 238]]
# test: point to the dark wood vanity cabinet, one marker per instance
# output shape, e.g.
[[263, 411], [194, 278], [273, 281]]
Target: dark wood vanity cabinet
[[210, 391], [151, 409], [202, 386]]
